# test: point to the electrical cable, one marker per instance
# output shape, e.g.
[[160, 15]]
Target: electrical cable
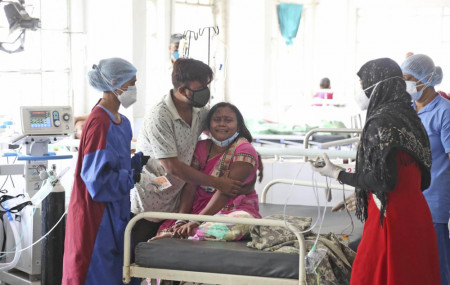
[[348, 213]]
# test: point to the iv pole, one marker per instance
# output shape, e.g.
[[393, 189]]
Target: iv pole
[[185, 35], [216, 32]]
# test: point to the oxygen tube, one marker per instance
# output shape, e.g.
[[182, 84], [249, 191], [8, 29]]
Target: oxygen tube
[[314, 256]]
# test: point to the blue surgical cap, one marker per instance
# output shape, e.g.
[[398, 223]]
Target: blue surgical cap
[[111, 73], [422, 68]]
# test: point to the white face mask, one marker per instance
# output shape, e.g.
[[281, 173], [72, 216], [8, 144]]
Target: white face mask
[[362, 100], [411, 88], [128, 97], [226, 142]]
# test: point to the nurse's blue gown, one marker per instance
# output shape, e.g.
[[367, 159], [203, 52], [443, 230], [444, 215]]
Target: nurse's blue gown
[[99, 207]]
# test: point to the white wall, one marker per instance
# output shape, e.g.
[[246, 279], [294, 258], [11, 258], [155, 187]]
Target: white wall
[[334, 39], [261, 75]]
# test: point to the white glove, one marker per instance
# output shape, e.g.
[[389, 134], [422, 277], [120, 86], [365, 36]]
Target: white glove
[[329, 170], [148, 181], [155, 167]]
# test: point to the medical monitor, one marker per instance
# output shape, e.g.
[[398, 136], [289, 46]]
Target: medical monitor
[[47, 120]]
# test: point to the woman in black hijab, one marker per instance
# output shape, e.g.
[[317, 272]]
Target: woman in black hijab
[[393, 163]]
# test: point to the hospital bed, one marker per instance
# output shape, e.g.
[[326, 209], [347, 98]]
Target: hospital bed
[[229, 262], [226, 262], [317, 138]]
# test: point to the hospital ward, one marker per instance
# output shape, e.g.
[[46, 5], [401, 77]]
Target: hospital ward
[[234, 142]]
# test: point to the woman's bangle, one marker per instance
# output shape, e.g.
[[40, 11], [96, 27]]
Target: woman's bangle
[[180, 221]]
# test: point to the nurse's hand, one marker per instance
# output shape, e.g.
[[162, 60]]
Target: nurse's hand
[[329, 169]]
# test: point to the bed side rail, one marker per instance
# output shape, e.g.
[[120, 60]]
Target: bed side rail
[[300, 183], [313, 152], [330, 130]]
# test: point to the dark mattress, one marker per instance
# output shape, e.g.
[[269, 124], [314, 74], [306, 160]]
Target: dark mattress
[[236, 257]]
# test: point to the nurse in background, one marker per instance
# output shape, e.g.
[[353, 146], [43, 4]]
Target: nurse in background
[[421, 75], [99, 208]]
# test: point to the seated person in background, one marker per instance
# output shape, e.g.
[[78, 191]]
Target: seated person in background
[[228, 153], [325, 91]]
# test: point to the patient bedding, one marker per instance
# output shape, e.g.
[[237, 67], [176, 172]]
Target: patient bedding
[[334, 268]]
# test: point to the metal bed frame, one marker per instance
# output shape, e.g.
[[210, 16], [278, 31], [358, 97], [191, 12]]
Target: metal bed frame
[[305, 139], [300, 183], [334, 143], [133, 270]]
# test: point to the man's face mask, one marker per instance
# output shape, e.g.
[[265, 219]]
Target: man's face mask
[[199, 98]]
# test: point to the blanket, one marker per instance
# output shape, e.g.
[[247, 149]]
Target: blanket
[[334, 268]]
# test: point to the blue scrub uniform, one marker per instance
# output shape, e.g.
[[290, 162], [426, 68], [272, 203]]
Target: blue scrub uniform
[[99, 207], [436, 119]]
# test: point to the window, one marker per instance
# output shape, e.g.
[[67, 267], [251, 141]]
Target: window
[[420, 29], [41, 74]]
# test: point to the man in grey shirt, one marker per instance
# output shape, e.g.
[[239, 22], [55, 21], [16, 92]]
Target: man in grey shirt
[[169, 134]]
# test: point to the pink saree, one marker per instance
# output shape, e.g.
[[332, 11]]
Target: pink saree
[[245, 206]]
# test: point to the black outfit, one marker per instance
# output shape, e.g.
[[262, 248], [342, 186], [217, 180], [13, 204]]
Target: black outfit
[[370, 180], [391, 125]]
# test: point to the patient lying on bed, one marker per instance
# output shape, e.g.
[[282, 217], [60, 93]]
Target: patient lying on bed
[[228, 153]]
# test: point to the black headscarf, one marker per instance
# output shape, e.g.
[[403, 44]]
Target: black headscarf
[[391, 123]]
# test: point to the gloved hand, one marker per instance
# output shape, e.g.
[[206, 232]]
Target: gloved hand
[[329, 170], [136, 162], [155, 167]]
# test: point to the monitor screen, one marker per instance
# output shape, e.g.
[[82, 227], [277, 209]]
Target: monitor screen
[[40, 119]]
